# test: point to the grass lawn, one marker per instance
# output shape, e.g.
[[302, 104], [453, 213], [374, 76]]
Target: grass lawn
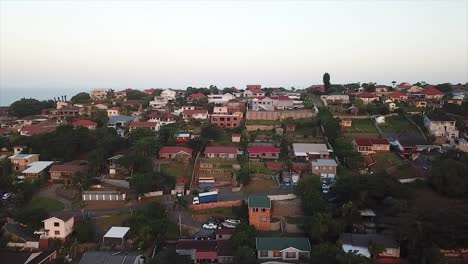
[[361, 128], [107, 222], [259, 185], [205, 215], [397, 124], [177, 170], [259, 168], [49, 204], [385, 160]]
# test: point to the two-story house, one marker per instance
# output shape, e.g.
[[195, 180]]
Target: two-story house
[[441, 125], [260, 212], [20, 162], [225, 120], [113, 111], [324, 167], [291, 249], [59, 225], [254, 90], [220, 99]]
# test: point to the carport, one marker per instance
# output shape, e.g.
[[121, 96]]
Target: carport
[[116, 232]]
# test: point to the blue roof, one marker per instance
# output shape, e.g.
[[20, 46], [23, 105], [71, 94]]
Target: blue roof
[[114, 119], [183, 135]]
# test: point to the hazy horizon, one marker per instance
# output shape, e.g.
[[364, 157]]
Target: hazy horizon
[[76, 46]]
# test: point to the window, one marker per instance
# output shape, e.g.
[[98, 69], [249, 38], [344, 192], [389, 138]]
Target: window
[[276, 254], [263, 210], [56, 224], [57, 233], [263, 253], [290, 254], [263, 219]]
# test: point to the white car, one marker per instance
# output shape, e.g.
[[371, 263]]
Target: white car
[[232, 221], [195, 200], [229, 225], [210, 226], [6, 196], [325, 188]]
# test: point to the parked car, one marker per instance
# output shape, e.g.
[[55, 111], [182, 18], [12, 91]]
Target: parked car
[[6, 196], [210, 226], [232, 221], [325, 188], [195, 200], [228, 225]]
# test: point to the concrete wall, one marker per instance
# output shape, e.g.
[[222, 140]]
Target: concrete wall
[[260, 127], [216, 205], [153, 194], [275, 115], [282, 197]]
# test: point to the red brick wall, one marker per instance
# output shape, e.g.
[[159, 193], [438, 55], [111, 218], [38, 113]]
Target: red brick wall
[[216, 205], [255, 219]]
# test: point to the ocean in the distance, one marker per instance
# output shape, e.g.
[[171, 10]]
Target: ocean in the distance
[[8, 95]]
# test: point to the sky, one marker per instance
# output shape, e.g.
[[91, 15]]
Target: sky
[[79, 45]]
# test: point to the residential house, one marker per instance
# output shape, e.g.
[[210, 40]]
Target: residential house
[[260, 212], [310, 152], [113, 111], [159, 102], [112, 257], [220, 99], [99, 94], [360, 243], [367, 97], [254, 90], [101, 107], [123, 93], [63, 173], [323, 167], [315, 88], [336, 98], [397, 97], [120, 122], [115, 169], [404, 86], [170, 152], [31, 120], [162, 118], [195, 114], [182, 137], [145, 125], [441, 125], [149, 91], [133, 105], [264, 152], [220, 110], [224, 233], [59, 226], [346, 123], [36, 170], [179, 111], [195, 97], [408, 147], [65, 113], [235, 106], [222, 152], [432, 93], [85, 123], [18, 236], [206, 251], [27, 257], [169, 94], [415, 89], [20, 162], [291, 249], [272, 103], [36, 130], [371, 145], [226, 121]]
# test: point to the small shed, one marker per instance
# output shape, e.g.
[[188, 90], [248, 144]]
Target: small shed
[[380, 119], [116, 233]]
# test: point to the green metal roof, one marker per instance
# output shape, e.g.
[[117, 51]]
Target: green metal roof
[[281, 243], [259, 201]]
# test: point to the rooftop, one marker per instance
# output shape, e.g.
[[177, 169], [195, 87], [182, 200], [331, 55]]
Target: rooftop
[[221, 149], [108, 257], [117, 232], [22, 156], [324, 162], [303, 149], [259, 201], [38, 166], [282, 243]]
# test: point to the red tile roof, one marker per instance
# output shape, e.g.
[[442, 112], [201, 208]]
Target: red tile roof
[[221, 149], [397, 95], [34, 130], [85, 123], [69, 168], [143, 124], [174, 150], [197, 96], [366, 95], [149, 91], [371, 141], [432, 90], [263, 149]]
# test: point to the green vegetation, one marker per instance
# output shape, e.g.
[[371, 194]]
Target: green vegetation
[[49, 204], [150, 222], [26, 107], [243, 243], [81, 98], [448, 175]]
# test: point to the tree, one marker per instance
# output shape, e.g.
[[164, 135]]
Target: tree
[[31, 217], [149, 223], [26, 107], [243, 243], [369, 87], [445, 88], [135, 95], [448, 177], [375, 249], [81, 98], [323, 227], [212, 132], [326, 81], [84, 231], [308, 103], [309, 190]]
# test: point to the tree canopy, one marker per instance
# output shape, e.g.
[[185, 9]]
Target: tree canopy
[[26, 107], [326, 81], [81, 98], [449, 176]]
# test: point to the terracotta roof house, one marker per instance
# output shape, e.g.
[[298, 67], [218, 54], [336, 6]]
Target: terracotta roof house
[[85, 123], [36, 130], [64, 172], [223, 152], [432, 93], [195, 114], [169, 152], [148, 125], [371, 145], [397, 96], [264, 152], [403, 86], [196, 96], [367, 97], [254, 90], [149, 91], [206, 251], [161, 117], [361, 242]]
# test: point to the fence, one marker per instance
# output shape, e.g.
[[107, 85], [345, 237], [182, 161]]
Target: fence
[[278, 115], [216, 205], [153, 194]]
